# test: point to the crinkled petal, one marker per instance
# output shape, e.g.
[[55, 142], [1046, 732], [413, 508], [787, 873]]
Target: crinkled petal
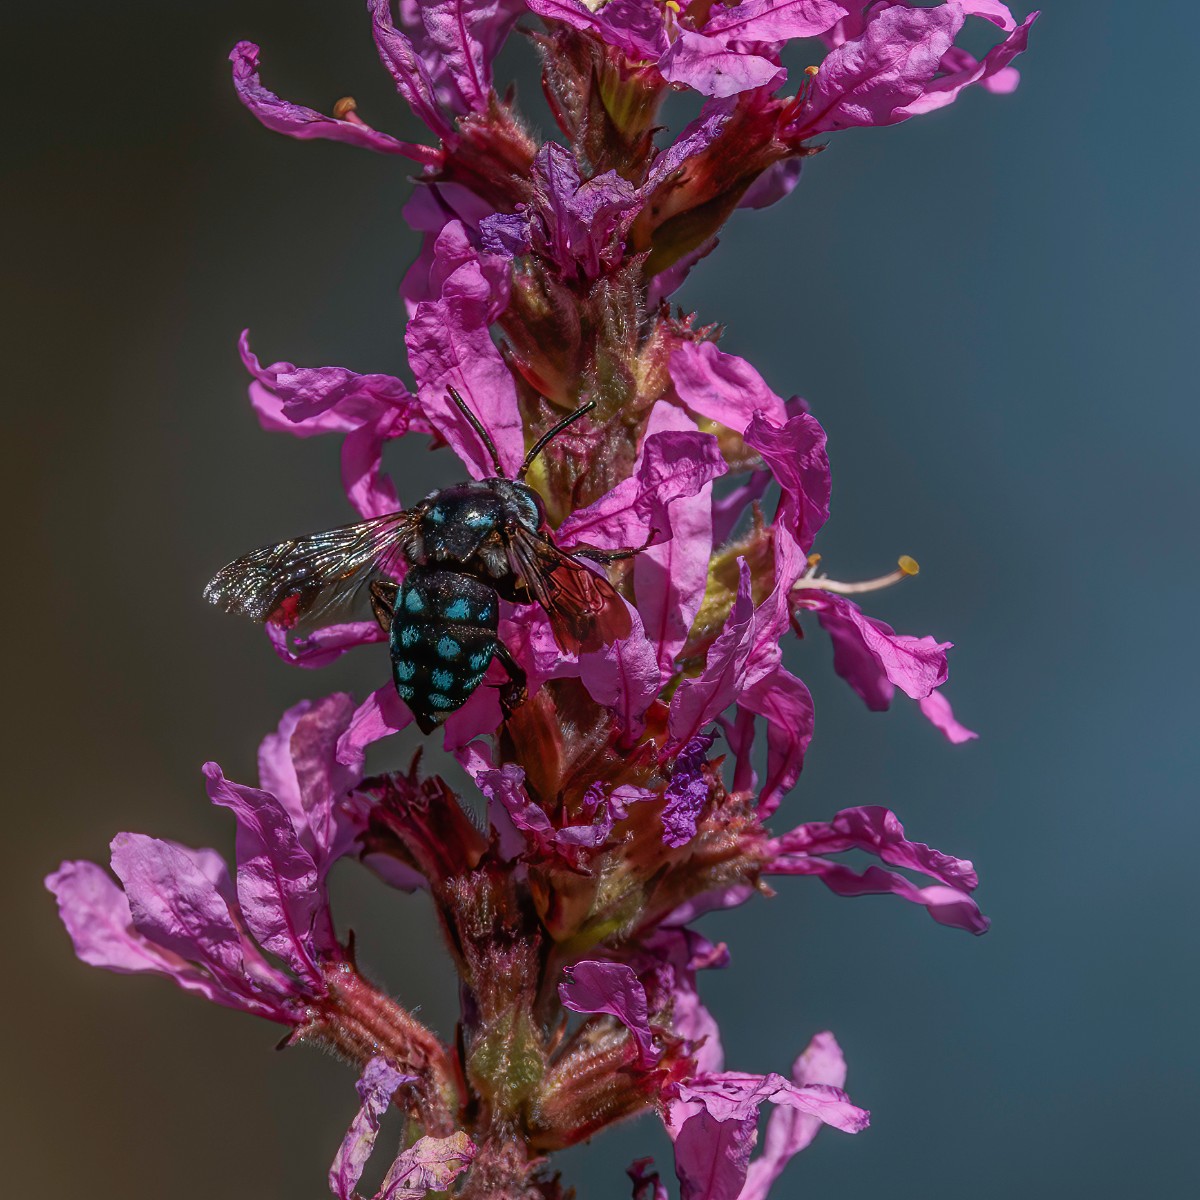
[[376, 1087], [871, 657], [736, 1095], [461, 40], [774, 20], [878, 831], [786, 704], [937, 709], [871, 79], [175, 904], [687, 791], [646, 1183], [299, 122], [712, 68], [449, 345], [796, 455], [612, 988], [788, 1130], [409, 73], [323, 646], [624, 676], [278, 887], [777, 182], [672, 465], [712, 1156], [431, 1164], [723, 387], [380, 715], [698, 701], [694, 140], [994, 65], [636, 28]]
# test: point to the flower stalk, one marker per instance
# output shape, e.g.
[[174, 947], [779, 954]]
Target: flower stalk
[[623, 583]]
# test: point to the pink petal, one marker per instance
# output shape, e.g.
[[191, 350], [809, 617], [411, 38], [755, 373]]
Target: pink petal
[[612, 988], [796, 455], [710, 67], [449, 345], [786, 704], [299, 122], [937, 708], [378, 1084], [774, 20], [461, 39], [429, 1165], [723, 387], [624, 676], [323, 646], [278, 888], [788, 1130], [380, 715], [711, 1156], [870, 79], [698, 701], [409, 73]]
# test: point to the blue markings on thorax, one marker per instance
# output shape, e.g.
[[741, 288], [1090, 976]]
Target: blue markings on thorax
[[413, 601]]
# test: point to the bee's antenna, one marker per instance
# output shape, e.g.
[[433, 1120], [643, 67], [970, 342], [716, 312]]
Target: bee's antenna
[[477, 425], [549, 436]]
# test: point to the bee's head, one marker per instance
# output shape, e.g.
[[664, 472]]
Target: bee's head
[[525, 504]]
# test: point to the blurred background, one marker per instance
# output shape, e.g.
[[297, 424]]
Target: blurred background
[[992, 310]]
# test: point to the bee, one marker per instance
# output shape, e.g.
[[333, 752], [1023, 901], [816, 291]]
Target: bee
[[465, 548]]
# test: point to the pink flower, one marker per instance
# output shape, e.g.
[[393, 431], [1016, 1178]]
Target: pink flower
[[181, 915]]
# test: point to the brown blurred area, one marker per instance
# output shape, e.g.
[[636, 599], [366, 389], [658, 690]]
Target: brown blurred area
[[992, 316]]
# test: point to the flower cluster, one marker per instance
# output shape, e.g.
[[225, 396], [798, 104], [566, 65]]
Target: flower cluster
[[622, 795]]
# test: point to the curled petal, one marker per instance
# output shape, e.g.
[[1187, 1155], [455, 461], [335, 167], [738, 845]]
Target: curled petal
[[796, 455], [712, 1156], [378, 1084], [624, 676], [429, 1165], [786, 704], [380, 715], [323, 646], [712, 68], [299, 122], [723, 387], [277, 881], [461, 39], [937, 708], [612, 988], [408, 72]]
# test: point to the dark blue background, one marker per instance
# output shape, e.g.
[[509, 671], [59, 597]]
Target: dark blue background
[[992, 310]]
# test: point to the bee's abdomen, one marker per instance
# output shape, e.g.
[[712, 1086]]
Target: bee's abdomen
[[442, 640]]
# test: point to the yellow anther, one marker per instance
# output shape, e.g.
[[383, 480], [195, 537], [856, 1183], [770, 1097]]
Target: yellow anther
[[813, 559], [909, 566], [345, 106], [811, 71], [673, 6]]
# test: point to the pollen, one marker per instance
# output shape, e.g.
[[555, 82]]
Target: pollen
[[811, 71], [909, 566], [344, 107]]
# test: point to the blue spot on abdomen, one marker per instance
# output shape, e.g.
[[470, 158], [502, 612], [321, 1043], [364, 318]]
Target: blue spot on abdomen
[[458, 609]]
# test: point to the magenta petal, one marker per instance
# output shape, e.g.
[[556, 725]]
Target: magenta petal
[[174, 904], [461, 39], [990, 10], [774, 20], [376, 1087], [870, 79], [723, 387], [449, 345], [672, 465], [786, 704], [646, 1183], [712, 1156], [612, 988], [698, 701], [298, 765], [995, 64], [429, 1165], [788, 1130], [277, 882], [871, 657], [736, 1095], [323, 646], [710, 67], [795, 452], [299, 122], [636, 28], [409, 73], [937, 708], [624, 676], [380, 715]]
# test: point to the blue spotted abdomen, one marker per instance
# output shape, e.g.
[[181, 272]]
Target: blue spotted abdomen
[[442, 639]]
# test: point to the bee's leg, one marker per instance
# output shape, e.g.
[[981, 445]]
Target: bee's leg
[[612, 556], [383, 601], [513, 692]]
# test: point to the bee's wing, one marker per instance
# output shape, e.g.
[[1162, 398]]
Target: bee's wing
[[312, 577], [585, 610]]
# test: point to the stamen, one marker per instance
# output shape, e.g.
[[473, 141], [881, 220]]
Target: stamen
[[905, 567], [346, 109]]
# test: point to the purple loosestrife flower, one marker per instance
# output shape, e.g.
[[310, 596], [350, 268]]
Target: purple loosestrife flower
[[619, 789]]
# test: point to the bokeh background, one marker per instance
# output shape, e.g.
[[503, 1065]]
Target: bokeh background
[[993, 312]]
